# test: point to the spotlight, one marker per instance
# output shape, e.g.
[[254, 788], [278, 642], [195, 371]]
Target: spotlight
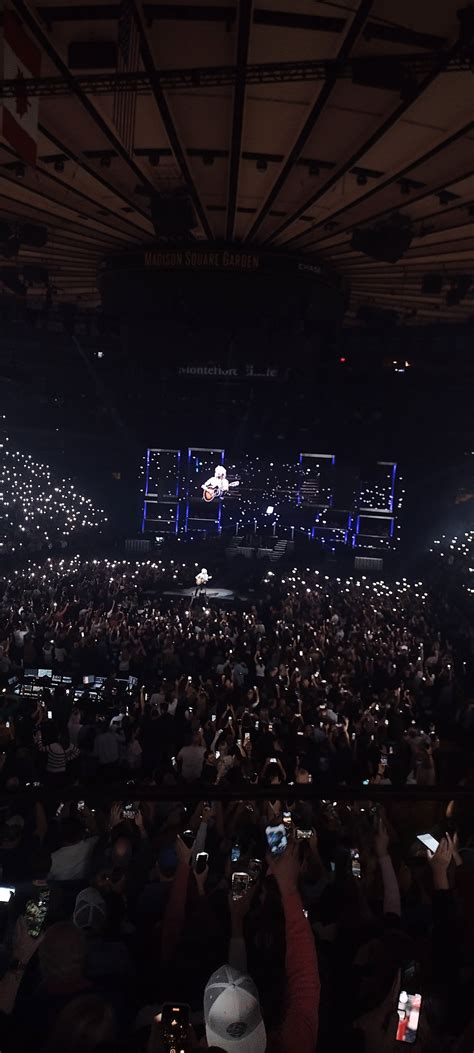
[[361, 179], [105, 161], [59, 165], [314, 169], [154, 158], [444, 197], [404, 186], [262, 165], [208, 159], [20, 170]]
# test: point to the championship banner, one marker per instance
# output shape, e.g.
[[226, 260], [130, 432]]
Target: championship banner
[[21, 60]]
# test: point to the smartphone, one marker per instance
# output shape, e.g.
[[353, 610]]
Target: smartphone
[[188, 837], [174, 1026], [240, 884], [50, 714], [201, 862], [255, 867], [277, 839], [129, 810], [428, 841], [246, 737], [81, 805], [287, 820], [303, 835], [409, 1004], [35, 914], [355, 863], [383, 761], [6, 893], [235, 853]]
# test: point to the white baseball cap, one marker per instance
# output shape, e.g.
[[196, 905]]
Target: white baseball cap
[[232, 1013]]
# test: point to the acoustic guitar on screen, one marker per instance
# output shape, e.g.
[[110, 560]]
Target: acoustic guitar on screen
[[218, 485]]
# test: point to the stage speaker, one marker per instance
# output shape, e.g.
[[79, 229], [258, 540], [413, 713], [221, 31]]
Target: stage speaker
[[387, 243], [92, 54], [173, 215], [137, 544], [371, 563]]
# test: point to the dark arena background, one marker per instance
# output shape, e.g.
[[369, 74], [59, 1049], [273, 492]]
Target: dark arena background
[[236, 526]]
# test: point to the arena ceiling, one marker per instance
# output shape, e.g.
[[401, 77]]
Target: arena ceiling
[[269, 114]]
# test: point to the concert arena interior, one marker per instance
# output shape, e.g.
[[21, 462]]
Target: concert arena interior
[[236, 526]]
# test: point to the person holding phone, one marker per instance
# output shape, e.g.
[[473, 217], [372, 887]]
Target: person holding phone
[[24, 947], [231, 991]]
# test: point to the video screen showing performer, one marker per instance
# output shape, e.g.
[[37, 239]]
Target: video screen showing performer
[[218, 485]]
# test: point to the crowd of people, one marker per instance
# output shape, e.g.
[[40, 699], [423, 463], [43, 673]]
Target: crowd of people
[[456, 554], [252, 923], [39, 510]]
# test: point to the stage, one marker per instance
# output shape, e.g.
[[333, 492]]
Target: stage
[[209, 594]]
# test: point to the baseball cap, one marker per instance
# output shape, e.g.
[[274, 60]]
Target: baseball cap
[[232, 1013], [89, 910]]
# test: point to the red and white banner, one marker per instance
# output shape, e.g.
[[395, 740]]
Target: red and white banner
[[21, 60]]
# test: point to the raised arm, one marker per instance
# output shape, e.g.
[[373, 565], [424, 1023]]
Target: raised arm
[[300, 1025], [173, 920], [238, 912], [391, 890]]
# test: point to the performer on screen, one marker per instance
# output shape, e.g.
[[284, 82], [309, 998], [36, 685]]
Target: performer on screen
[[218, 485]]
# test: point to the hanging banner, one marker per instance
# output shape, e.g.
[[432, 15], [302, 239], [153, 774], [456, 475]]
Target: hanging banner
[[21, 60]]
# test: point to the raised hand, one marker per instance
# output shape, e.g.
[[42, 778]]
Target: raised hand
[[24, 945], [183, 852], [381, 840], [286, 868], [239, 908], [439, 862], [201, 880], [115, 814]]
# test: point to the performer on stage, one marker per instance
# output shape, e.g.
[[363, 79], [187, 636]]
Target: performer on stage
[[201, 581]]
